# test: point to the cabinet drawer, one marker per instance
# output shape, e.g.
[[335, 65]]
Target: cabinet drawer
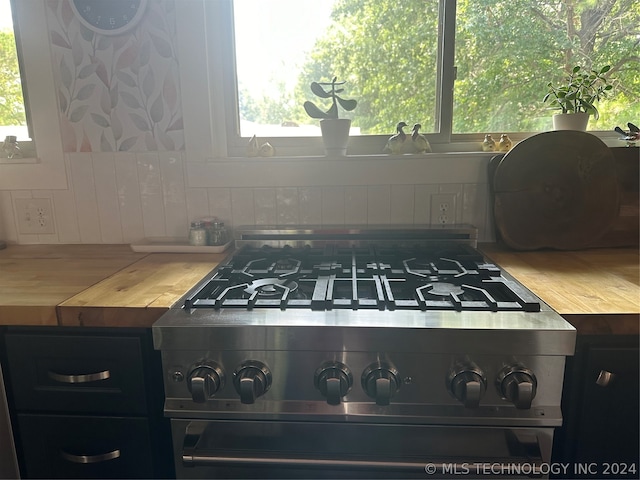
[[61, 446], [76, 373]]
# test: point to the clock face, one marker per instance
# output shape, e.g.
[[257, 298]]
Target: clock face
[[109, 17]]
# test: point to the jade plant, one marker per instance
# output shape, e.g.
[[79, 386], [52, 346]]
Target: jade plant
[[580, 91], [318, 88]]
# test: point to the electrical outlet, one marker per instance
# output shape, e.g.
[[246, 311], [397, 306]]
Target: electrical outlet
[[443, 208], [34, 215]]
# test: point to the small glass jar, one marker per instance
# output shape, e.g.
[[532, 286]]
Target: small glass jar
[[218, 234], [197, 234]]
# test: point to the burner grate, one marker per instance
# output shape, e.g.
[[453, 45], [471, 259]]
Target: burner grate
[[435, 278]]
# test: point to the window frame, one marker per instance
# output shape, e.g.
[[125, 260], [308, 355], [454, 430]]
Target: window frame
[[46, 170], [219, 15], [358, 145]]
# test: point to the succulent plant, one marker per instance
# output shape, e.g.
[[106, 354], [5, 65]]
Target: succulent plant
[[318, 89]]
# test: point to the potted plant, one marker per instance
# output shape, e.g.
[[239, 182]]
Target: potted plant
[[577, 96], [335, 131]]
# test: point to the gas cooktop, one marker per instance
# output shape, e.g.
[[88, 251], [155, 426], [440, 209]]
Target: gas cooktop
[[433, 276]]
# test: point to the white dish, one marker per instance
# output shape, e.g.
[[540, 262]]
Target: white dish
[[158, 246]]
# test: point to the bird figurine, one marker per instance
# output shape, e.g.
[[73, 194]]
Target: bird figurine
[[395, 144], [489, 144], [419, 141], [253, 149], [504, 145], [267, 150], [632, 136]]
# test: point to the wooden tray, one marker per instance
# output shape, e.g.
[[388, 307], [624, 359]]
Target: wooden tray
[[178, 246]]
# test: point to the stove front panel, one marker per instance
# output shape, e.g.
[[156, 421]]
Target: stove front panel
[[424, 387]]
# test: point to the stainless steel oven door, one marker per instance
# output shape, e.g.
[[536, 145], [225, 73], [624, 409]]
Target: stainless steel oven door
[[269, 449]]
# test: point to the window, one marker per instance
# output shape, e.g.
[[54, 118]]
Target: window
[[13, 117], [460, 68], [45, 170]]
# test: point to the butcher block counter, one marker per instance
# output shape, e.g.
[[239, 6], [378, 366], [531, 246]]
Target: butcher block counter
[[597, 290], [94, 285]]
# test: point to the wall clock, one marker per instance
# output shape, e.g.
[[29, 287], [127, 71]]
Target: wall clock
[[109, 17]]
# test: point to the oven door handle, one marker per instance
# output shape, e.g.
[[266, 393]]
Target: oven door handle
[[490, 469]]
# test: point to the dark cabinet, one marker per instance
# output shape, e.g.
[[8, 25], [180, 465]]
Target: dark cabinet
[[600, 408], [64, 446], [87, 403]]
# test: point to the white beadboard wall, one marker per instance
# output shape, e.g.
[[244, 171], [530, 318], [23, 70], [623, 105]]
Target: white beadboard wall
[[128, 197]]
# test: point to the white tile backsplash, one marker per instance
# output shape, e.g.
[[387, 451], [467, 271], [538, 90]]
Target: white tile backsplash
[[129, 199], [355, 206], [265, 206], [126, 197], [379, 204], [310, 200], [287, 206], [151, 194], [402, 203], [84, 188], [333, 206]]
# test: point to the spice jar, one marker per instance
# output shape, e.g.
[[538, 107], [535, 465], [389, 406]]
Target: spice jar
[[218, 234], [197, 234]]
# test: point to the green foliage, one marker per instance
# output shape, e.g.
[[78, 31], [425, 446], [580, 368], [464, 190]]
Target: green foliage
[[318, 89], [506, 53], [11, 101], [580, 91]]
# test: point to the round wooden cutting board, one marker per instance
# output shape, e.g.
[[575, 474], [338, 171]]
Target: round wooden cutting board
[[555, 189]]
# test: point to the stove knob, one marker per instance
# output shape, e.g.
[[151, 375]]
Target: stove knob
[[204, 381], [334, 380], [252, 379], [518, 385], [468, 386], [380, 381]]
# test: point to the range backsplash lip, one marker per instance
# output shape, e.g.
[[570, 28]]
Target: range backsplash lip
[[318, 235]]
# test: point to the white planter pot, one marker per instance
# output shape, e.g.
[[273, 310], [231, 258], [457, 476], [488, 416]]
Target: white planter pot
[[571, 121], [335, 135]]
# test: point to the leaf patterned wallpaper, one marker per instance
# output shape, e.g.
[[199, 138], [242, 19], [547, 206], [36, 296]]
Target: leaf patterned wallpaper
[[117, 93]]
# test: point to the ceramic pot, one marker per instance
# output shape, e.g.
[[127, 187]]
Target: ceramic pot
[[335, 136], [571, 121]]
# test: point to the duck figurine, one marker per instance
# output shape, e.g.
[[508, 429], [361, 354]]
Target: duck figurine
[[253, 149], [267, 150], [505, 143], [419, 141], [395, 144]]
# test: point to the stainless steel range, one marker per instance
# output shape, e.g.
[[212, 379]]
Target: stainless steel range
[[375, 352]]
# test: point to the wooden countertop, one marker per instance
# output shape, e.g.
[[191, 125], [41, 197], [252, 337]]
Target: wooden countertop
[[93, 285], [34, 279], [597, 290], [140, 293]]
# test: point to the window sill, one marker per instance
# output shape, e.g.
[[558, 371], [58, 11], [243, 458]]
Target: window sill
[[353, 158], [13, 161], [468, 147]]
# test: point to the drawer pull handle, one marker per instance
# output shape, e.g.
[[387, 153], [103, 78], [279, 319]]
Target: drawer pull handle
[[605, 378], [102, 457], [83, 378]]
